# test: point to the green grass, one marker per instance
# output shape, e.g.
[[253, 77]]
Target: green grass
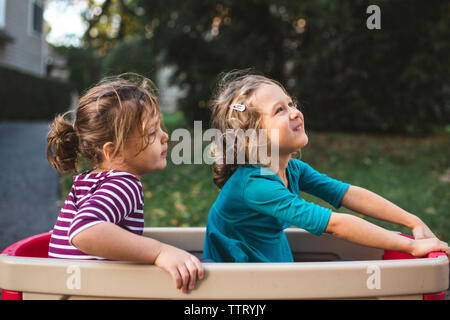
[[408, 171]]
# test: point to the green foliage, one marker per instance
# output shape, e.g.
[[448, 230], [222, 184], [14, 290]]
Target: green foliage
[[87, 66], [390, 80], [204, 38], [133, 54], [346, 76], [27, 97], [84, 66], [111, 21], [411, 172]]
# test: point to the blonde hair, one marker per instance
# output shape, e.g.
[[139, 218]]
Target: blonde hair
[[235, 87], [108, 112]]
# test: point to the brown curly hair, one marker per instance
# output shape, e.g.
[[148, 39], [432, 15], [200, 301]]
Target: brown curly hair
[[235, 87], [108, 112]]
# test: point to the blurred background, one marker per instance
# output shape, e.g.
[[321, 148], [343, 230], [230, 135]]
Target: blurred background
[[376, 101]]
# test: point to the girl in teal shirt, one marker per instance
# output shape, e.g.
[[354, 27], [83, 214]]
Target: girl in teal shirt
[[259, 196]]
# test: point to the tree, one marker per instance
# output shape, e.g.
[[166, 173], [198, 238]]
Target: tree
[[133, 54], [347, 77], [84, 64], [112, 43], [395, 79], [111, 21], [204, 38]]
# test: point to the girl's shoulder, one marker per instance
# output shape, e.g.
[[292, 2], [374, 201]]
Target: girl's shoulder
[[242, 175], [297, 165], [258, 177], [98, 178], [112, 174], [297, 162], [253, 171], [294, 166], [250, 173]]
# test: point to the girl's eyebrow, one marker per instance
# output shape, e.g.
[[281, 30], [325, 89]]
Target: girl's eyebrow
[[276, 104], [280, 103]]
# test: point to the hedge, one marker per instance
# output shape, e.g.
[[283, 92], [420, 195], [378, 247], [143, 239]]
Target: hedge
[[28, 97]]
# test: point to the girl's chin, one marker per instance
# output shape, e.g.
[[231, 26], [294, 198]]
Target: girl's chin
[[302, 142], [160, 166], [305, 143], [164, 164]]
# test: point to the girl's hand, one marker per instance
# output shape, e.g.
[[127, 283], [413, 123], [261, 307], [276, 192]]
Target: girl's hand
[[421, 231], [184, 268], [422, 247]]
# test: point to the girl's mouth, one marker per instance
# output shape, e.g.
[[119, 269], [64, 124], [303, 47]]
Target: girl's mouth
[[298, 127]]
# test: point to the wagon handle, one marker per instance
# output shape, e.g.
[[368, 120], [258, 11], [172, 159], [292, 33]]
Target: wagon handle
[[435, 254]]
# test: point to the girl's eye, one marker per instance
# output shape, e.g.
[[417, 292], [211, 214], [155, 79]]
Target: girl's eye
[[279, 110]]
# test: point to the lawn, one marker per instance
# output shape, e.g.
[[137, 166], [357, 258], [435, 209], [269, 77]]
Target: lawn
[[412, 172]]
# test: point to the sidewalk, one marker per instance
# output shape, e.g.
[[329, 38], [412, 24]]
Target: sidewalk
[[28, 184]]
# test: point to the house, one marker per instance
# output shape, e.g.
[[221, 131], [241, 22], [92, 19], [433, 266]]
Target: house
[[22, 36]]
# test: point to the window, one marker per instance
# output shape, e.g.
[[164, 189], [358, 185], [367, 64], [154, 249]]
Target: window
[[37, 17], [2, 13]]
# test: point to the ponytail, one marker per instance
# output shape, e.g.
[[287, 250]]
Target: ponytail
[[62, 145]]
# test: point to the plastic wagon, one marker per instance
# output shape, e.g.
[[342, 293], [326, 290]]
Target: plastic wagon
[[325, 267]]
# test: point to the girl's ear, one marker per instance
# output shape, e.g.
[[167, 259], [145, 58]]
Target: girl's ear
[[107, 151]]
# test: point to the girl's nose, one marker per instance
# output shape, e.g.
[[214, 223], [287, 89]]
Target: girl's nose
[[165, 137], [294, 114]]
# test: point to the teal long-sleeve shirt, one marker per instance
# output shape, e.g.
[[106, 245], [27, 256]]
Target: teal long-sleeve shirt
[[247, 221]]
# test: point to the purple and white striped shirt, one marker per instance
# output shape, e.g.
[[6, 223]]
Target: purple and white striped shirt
[[110, 196]]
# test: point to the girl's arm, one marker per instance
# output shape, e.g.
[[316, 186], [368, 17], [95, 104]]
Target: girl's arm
[[110, 241], [359, 231], [372, 205]]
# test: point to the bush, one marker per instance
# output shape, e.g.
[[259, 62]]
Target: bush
[[84, 65], [27, 97], [131, 55], [395, 79]]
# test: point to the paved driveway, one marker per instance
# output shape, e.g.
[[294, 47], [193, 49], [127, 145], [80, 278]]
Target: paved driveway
[[28, 185]]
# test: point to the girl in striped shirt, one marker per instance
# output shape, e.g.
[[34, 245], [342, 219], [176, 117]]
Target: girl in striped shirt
[[117, 129]]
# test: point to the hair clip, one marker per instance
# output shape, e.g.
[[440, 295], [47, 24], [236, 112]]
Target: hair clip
[[237, 106]]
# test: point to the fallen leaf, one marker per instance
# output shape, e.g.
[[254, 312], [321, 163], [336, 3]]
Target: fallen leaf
[[446, 176], [180, 206], [159, 212]]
